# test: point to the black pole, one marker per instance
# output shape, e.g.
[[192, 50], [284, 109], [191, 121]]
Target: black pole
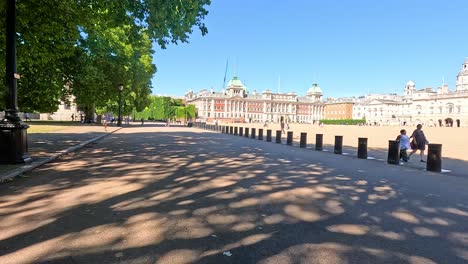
[[303, 142], [11, 113], [338, 145], [289, 138], [434, 158], [393, 152], [362, 148], [260, 134], [13, 133], [278, 136], [119, 121], [319, 142]]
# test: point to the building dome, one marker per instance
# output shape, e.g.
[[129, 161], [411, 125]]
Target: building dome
[[235, 82], [410, 83], [315, 89]]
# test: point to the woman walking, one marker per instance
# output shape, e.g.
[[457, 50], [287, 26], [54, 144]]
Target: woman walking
[[419, 142]]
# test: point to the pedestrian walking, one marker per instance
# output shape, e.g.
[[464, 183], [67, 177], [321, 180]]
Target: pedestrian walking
[[73, 117], [142, 121], [26, 117], [419, 142], [282, 127], [105, 123], [404, 145]]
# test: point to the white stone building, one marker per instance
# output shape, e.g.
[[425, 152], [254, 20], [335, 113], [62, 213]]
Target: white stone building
[[440, 107], [236, 104], [64, 112]]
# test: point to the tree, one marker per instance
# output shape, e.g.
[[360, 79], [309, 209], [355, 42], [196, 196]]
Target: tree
[[88, 47]]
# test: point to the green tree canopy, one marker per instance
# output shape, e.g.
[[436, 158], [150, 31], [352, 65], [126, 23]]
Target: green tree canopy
[[89, 47], [163, 108]]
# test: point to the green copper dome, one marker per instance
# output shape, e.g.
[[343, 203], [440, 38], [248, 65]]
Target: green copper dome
[[235, 82], [314, 89]]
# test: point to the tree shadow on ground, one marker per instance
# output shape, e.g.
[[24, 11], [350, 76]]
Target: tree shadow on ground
[[188, 197]]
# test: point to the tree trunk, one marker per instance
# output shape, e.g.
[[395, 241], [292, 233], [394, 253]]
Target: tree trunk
[[89, 113]]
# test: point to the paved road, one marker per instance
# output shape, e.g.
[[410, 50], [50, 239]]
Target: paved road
[[47, 144], [182, 195]]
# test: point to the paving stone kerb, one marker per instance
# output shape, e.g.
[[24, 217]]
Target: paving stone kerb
[[46, 147]]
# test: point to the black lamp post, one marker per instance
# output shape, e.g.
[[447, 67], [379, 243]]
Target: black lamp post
[[119, 121], [13, 132]]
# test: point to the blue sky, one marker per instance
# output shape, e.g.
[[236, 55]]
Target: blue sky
[[348, 47]]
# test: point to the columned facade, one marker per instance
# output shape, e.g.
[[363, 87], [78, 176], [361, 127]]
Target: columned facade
[[237, 105], [440, 107]]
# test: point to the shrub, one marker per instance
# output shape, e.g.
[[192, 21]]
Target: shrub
[[343, 121]]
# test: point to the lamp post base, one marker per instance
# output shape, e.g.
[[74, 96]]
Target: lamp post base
[[14, 143]]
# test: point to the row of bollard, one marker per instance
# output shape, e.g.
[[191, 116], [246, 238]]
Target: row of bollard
[[434, 155]]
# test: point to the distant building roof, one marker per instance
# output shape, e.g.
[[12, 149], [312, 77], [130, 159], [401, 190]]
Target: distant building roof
[[235, 82]]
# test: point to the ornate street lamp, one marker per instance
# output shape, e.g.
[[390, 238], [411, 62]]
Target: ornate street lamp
[[13, 132], [119, 121]]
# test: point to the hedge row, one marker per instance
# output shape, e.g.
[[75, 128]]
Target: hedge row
[[343, 121]]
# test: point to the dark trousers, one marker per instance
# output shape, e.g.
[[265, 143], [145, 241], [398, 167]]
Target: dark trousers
[[404, 155]]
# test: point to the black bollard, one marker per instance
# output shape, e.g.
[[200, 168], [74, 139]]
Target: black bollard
[[434, 158], [303, 142], [278, 136], [289, 139], [319, 142], [260, 134], [393, 152], [268, 139], [252, 136], [241, 131], [236, 131], [231, 130], [246, 132], [338, 145], [362, 148]]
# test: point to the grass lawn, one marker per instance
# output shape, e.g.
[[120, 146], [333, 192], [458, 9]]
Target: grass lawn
[[33, 128], [40, 126], [52, 123]]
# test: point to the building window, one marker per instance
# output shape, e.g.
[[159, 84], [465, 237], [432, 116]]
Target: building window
[[450, 108]]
